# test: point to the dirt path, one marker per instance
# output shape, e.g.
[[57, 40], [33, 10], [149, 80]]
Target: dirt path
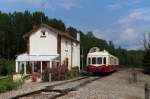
[[114, 86], [52, 92]]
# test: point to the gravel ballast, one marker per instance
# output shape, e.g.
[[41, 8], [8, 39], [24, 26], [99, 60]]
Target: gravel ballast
[[114, 86]]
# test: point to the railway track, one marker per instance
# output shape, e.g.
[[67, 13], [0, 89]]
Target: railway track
[[58, 90]]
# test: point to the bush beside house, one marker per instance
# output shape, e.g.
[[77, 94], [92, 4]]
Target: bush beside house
[[7, 85], [74, 72], [7, 67], [60, 73]]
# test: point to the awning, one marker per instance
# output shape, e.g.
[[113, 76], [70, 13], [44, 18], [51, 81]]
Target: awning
[[26, 57]]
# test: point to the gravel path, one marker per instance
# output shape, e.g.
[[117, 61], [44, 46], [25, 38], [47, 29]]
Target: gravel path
[[73, 84], [59, 90], [114, 86], [29, 87]]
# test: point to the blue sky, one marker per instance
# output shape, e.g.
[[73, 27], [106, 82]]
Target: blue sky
[[122, 21]]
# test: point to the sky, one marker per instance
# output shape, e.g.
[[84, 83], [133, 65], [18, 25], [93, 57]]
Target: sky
[[122, 21]]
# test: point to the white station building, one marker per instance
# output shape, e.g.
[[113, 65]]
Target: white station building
[[48, 47]]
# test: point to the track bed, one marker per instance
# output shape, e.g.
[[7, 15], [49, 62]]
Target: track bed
[[58, 90]]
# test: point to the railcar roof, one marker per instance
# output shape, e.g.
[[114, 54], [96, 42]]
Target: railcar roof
[[98, 53], [101, 53]]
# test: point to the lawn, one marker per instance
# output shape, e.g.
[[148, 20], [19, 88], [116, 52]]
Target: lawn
[[7, 84]]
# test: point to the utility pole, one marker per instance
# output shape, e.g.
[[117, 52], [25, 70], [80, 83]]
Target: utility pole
[[82, 56], [42, 8]]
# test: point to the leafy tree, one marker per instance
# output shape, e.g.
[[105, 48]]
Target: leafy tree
[[90, 34], [72, 31], [146, 61], [146, 56], [58, 24]]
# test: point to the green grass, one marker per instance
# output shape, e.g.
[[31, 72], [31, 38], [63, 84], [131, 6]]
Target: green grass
[[7, 85]]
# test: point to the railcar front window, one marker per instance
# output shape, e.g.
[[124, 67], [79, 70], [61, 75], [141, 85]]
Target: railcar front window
[[93, 60], [89, 60], [99, 60], [104, 60]]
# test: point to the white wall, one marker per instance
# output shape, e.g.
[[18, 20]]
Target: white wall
[[48, 46], [76, 54], [66, 51], [43, 45]]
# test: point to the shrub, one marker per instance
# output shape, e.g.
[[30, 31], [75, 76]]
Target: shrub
[[58, 72], [6, 67], [46, 76], [74, 72], [7, 85]]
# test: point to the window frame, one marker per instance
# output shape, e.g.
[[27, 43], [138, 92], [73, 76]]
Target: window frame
[[43, 33], [99, 61], [104, 60], [89, 60], [95, 60]]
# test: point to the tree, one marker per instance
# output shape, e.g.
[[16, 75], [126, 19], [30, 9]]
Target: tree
[[90, 34], [72, 31], [58, 24], [38, 18], [146, 56]]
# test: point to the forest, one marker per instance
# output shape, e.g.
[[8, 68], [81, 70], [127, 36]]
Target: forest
[[13, 27]]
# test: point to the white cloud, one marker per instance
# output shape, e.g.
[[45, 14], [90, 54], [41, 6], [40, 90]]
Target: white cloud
[[128, 34], [102, 34], [140, 14], [133, 47], [114, 6], [108, 35], [68, 4], [36, 3], [123, 3], [129, 38], [137, 1], [53, 4], [132, 27]]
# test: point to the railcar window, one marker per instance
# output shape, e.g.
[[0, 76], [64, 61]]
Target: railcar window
[[111, 60], [99, 60], [115, 61], [104, 60], [89, 60], [93, 60]]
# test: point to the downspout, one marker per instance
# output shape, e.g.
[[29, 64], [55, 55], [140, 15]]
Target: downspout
[[71, 53], [59, 47]]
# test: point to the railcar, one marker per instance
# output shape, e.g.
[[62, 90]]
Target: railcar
[[101, 61]]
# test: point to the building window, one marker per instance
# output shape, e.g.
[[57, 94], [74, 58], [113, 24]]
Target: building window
[[99, 60], [43, 33], [115, 61], [94, 60], [66, 43], [111, 60]]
